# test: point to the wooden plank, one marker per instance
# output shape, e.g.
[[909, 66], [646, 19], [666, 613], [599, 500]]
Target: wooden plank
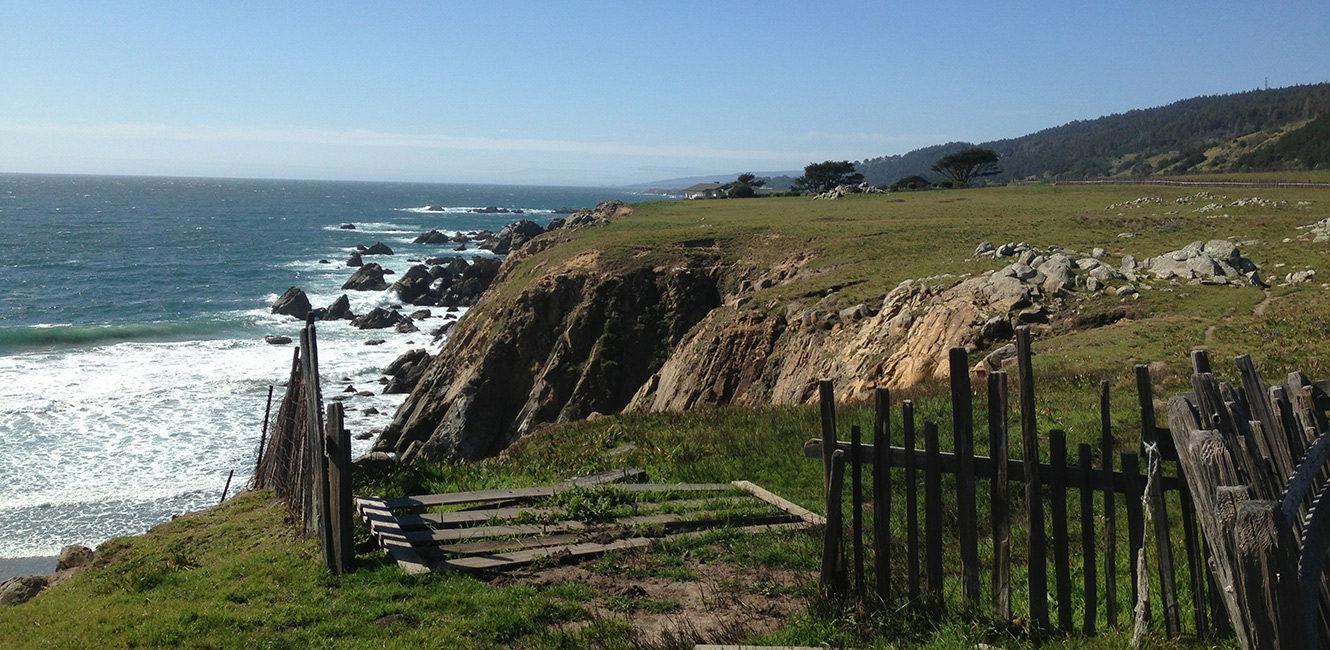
[[1258, 405], [857, 509], [962, 414], [527, 494], [1159, 512], [585, 550], [1131, 465], [933, 514], [623, 475], [1000, 495], [1037, 570], [1267, 554], [911, 502], [1195, 564], [807, 515], [882, 495], [666, 521], [1106, 453], [1089, 573], [1311, 569], [831, 583], [461, 549], [827, 406], [1061, 542]]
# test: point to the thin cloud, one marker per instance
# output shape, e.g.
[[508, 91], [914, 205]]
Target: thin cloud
[[369, 138]]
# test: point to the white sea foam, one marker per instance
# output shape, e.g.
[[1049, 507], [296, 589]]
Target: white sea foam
[[108, 440]]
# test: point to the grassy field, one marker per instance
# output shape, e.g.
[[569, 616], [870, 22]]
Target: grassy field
[[236, 576]]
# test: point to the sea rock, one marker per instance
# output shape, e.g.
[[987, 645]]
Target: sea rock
[[292, 303], [340, 309], [407, 326], [379, 318], [379, 248], [405, 372], [74, 556], [555, 224], [421, 314], [414, 286], [17, 591], [366, 278], [513, 236], [348, 226], [355, 261], [273, 339], [375, 461], [433, 237]]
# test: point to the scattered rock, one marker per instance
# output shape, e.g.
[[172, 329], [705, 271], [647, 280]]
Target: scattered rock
[[74, 556], [340, 309], [1126, 290], [367, 278], [16, 591], [1299, 277], [997, 328], [379, 318], [292, 303], [513, 236], [375, 342], [273, 339], [433, 237]]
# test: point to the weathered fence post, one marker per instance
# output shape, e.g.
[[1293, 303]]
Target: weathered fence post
[[832, 581], [1000, 500], [1131, 466], [1061, 542], [337, 440], [1034, 495], [1085, 459], [882, 492], [911, 501], [962, 417], [857, 506], [827, 402], [1158, 514], [933, 512], [1110, 510]]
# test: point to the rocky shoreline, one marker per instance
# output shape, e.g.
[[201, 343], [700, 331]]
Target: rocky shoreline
[[28, 578]]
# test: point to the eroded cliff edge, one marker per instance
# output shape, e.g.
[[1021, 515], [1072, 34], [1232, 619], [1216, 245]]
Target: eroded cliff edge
[[570, 328]]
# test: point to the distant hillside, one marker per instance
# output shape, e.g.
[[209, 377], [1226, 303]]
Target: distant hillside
[[680, 183], [1260, 130]]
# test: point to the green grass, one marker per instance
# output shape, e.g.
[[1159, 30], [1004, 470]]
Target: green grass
[[237, 577]]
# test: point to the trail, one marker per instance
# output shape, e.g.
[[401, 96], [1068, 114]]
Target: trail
[[1259, 309]]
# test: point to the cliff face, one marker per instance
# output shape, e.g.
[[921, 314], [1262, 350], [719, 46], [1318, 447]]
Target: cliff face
[[585, 335], [577, 340]]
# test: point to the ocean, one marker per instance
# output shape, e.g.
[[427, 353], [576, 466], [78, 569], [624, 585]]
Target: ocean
[[133, 368]]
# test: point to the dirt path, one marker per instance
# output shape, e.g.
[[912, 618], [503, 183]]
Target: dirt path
[[1259, 309]]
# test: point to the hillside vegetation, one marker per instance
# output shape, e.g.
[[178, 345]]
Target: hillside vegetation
[[1259, 130]]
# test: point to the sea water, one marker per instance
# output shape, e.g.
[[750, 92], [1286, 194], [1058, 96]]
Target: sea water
[[134, 373]]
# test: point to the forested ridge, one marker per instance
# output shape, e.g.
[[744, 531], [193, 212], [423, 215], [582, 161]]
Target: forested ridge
[[1259, 130]]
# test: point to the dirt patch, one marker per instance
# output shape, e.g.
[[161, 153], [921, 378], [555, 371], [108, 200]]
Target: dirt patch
[[1259, 309], [389, 619], [725, 604], [1092, 321]]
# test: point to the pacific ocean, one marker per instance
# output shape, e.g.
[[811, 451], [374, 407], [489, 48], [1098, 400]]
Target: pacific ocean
[[133, 310]]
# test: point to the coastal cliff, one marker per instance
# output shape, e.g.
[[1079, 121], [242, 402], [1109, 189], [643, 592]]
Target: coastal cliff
[[629, 313]]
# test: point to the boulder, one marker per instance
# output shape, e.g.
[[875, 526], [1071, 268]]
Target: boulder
[[998, 358], [366, 278], [340, 309], [379, 318], [379, 248], [1299, 277], [414, 285], [292, 303], [997, 328], [432, 237], [985, 248], [74, 556], [17, 591]]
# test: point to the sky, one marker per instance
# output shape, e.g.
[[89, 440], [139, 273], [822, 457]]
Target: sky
[[598, 93]]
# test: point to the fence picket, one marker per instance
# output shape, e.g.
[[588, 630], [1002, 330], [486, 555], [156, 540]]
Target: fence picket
[[1000, 499], [933, 513], [1034, 495], [1061, 550], [1090, 588], [882, 494]]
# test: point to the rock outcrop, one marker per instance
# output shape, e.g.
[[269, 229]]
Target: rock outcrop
[[578, 339], [292, 303], [366, 278], [513, 236]]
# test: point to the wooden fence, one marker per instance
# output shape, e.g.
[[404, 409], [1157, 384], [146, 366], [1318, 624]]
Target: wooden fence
[[1047, 488], [306, 460]]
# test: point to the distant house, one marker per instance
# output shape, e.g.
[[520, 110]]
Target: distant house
[[707, 190]]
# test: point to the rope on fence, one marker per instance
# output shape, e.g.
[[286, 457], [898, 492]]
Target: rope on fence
[[1142, 609]]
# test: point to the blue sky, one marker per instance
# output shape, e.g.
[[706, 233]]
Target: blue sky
[[596, 93]]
